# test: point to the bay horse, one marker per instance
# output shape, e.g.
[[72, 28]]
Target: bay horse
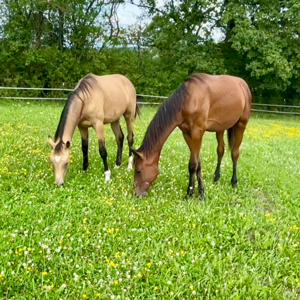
[[95, 101], [201, 103]]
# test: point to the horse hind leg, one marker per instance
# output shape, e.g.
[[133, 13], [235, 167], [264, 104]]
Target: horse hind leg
[[84, 146], [130, 137], [220, 152], [237, 132], [115, 126]]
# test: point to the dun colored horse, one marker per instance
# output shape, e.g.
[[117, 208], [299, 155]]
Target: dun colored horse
[[96, 100], [202, 103]]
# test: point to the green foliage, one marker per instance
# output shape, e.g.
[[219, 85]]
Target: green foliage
[[54, 42]]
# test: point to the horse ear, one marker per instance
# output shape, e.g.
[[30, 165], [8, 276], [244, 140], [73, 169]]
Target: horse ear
[[50, 141], [137, 153], [68, 144]]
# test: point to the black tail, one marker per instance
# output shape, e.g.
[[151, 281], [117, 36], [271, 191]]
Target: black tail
[[137, 110], [230, 135]]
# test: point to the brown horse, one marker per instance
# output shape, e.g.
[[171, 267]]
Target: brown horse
[[202, 103], [96, 100]]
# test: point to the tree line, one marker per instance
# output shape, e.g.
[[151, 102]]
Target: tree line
[[54, 43]]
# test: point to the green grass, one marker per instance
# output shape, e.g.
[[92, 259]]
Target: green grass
[[91, 239]]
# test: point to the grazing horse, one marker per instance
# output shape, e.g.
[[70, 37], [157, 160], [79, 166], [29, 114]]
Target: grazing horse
[[201, 103], [96, 100]]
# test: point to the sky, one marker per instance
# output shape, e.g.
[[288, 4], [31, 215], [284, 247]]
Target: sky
[[128, 15]]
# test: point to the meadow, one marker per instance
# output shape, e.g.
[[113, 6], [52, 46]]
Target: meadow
[[95, 240]]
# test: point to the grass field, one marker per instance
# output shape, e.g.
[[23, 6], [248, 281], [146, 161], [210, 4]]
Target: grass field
[[91, 239]]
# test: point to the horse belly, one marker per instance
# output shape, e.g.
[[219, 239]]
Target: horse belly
[[224, 116]]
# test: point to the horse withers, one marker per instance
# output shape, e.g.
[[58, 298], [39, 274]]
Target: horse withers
[[201, 103], [95, 101]]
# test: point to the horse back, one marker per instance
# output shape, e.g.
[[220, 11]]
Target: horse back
[[219, 101]]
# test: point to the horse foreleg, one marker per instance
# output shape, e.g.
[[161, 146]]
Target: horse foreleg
[[99, 128], [119, 140], [238, 131], [220, 152], [84, 146], [194, 143]]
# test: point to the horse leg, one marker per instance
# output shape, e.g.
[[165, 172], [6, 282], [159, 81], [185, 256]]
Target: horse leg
[[194, 164], [99, 128], [84, 132], [129, 122], [220, 151], [238, 131], [115, 126]]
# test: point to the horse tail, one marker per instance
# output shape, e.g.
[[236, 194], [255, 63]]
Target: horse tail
[[137, 108], [230, 135]]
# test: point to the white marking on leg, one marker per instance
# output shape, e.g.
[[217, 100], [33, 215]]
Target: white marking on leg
[[57, 158], [130, 162], [107, 175]]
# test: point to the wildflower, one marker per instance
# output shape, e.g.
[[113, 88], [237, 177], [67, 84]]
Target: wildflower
[[98, 295], [52, 286], [297, 280], [169, 282], [140, 275], [268, 215], [155, 288], [29, 268], [295, 227], [194, 292], [123, 253], [116, 282], [110, 230], [272, 220], [44, 273], [1, 276], [149, 264], [107, 260], [60, 242], [182, 252], [117, 255], [191, 288], [68, 235], [112, 264]]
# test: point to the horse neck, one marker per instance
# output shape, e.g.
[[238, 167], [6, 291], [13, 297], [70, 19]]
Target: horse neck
[[72, 119], [154, 154]]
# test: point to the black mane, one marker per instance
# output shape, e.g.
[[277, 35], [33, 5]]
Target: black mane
[[84, 87], [167, 112]]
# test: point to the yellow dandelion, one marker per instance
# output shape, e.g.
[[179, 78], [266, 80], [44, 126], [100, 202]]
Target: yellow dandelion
[[60, 242], [149, 264], [268, 215], [182, 252], [20, 249], [107, 260], [117, 255], [84, 220], [29, 249], [29, 268], [272, 220], [191, 288], [110, 230], [1, 276], [297, 280], [44, 273], [68, 235], [117, 229], [112, 264], [52, 286], [295, 227], [84, 296], [140, 275], [98, 295], [116, 282], [123, 253], [156, 288]]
